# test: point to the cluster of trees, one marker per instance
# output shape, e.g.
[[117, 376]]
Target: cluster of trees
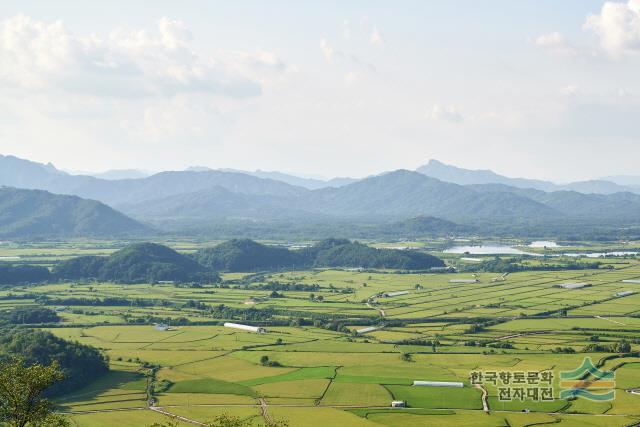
[[137, 263], [512, 265], [106, 301], [23, 274], [247, 255], [278, 286], [29, 315], [622, 346], [80, 364]]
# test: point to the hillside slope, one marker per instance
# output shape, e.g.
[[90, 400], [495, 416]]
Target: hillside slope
[[39, 214]]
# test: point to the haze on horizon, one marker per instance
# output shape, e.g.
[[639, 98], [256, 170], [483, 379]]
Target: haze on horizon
[[535, 89]]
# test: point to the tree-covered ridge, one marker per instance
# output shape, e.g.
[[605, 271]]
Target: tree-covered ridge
[[79, 363], [137, 263], [247, 255], [348, 254], [29, 315], [22, 274]]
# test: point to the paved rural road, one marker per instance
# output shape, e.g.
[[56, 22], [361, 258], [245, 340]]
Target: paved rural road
[[485, 404]]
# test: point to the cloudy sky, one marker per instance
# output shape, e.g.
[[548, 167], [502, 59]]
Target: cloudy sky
[[535, 88]]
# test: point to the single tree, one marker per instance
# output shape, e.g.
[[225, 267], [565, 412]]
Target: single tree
[[21, 394]]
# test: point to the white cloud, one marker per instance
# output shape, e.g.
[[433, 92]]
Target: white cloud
[[376, 38], [571, 90], [556, 43], [327, 50], [618, 26], [445, 113], [43, 56], [550, 40]]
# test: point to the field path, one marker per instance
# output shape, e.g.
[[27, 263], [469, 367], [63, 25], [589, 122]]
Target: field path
[[522, 334], [178, 417], [485, 404], [265, 411], [610, 320]]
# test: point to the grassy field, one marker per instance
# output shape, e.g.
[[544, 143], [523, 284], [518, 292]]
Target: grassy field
[[319, 371]]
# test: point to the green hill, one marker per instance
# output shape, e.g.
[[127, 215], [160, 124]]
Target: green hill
[[247, 255], [39, 214], [137, 263]]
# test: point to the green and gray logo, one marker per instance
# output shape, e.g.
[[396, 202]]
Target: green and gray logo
[[589, 382]]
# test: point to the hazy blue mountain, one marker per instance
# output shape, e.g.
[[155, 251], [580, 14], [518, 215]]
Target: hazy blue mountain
[[16, 172], [596, 187], [114, 174], [20, 173], [577, 205], [627, 180], [404, 193], [212, 204], [454, 174], [39, 214], [308, 183]]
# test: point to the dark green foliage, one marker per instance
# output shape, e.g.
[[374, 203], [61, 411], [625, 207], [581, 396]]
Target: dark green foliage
[[79, 363], [247, 255], [137, 263], [83, 267], [30, 315], [22, 274], [39, 214], [622, 346], [515, 264], [342, 253]]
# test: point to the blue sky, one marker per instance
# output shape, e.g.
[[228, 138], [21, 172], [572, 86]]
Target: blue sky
[[542, 89]]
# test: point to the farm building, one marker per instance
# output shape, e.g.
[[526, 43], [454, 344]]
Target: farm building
[[369, 329], [437, 384], [631, 281], [572, 285], [398, 404], [393, 294], [161, 327], [623, 293], [256, 329], [464, 281], [60, 309]]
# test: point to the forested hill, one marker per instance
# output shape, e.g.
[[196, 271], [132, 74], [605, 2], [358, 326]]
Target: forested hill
[[247, 255], [80, 364], [39, 214], [137, 263]]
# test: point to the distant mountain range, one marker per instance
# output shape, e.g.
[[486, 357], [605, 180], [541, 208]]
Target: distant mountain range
[[448, 173], [308, 183], [39, 214], [459, 197]]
